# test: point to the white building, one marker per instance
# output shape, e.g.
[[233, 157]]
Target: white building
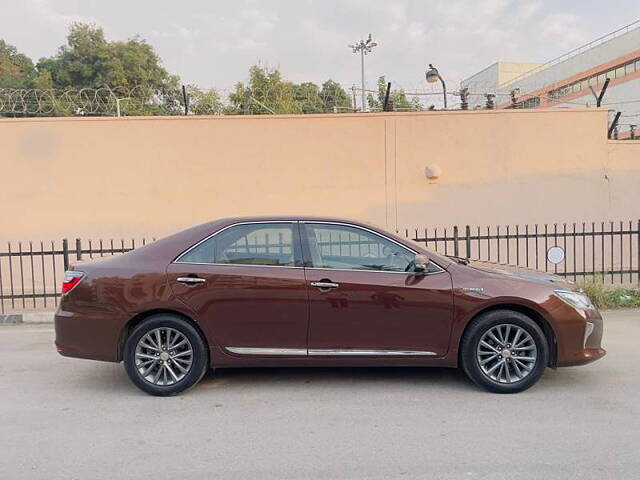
[[568, 81]]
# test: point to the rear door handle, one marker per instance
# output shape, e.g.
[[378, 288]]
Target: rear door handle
[[190, 280], [324, 285]]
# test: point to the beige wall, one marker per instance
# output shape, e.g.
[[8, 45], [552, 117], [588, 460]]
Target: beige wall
[[98, 177]]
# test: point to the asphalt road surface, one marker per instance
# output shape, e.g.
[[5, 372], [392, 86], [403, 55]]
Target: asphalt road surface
[[64, 418]]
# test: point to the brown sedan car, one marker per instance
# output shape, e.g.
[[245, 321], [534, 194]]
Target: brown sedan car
[[317, 292]]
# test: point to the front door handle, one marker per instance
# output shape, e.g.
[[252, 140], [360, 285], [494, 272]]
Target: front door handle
[[190, 280], [324, 285]]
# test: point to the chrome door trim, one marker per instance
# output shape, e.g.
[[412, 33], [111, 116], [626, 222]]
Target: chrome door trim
[[356, 352], [293, 222], [267, 351], [440, 270], [238, 265], [327, 352]]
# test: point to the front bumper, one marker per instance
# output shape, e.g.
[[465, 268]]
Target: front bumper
[[573, 347]]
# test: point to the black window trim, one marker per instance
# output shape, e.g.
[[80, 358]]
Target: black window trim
[[295, 238], [307, 255]]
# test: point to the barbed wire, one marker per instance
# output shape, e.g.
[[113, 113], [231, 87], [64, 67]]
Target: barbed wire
[[108, 101], [292, 99], [85, 101]]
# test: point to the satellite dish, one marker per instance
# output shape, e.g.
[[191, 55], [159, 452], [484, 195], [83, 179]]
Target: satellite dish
[[555, 255]]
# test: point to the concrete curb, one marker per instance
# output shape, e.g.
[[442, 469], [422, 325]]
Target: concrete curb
[[35, 317]]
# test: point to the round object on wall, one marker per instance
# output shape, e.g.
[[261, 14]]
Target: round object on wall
[[433, 172], [555, 255]]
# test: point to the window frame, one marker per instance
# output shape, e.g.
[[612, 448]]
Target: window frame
[[630, 68], [306, 251], [295, 238]]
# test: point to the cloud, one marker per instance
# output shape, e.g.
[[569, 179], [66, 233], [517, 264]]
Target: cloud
[[48, 14], [565, 29], [215, 43]]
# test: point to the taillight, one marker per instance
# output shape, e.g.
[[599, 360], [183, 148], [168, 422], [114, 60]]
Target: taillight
[[71, 279]]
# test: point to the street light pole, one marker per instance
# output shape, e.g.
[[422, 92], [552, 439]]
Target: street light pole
[[432, 75], [364, 47]]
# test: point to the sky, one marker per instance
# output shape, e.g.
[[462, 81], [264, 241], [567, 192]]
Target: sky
[[212, 43]]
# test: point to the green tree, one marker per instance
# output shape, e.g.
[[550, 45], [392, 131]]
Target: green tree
[[334, 97], [265, 93], [204, 102], [43, 81], [398, 100], [16, 69], [89, 60], [308, 99]]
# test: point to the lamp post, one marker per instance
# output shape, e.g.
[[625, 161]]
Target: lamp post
[[364, 47], [432, 75]]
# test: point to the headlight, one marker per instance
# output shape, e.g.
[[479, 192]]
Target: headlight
[[578, 300]]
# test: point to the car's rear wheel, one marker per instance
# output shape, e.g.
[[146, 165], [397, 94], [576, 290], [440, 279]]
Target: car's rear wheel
[[504, 351], [165, 355]]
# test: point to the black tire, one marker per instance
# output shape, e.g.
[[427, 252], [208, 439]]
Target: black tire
[[199, 361], [475, 332]]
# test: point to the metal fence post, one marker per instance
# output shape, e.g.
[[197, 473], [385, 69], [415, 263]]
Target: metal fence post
[[65, 253], [78, 249], [467, 231], [456, 251]]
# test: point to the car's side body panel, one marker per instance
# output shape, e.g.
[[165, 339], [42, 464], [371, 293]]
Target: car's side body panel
[[477, 290], [380, 311], [246, 306], [275, 308]]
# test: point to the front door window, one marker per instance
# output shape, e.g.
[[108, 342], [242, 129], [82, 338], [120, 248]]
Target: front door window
[[344, 247]]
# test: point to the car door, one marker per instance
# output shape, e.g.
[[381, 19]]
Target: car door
[[364, 303], [247, 286]]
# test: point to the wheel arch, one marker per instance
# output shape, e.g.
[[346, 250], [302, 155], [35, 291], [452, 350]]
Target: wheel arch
[[533, 314], [140, 317]]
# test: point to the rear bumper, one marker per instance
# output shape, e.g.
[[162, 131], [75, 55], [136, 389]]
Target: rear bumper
[[86, 336]]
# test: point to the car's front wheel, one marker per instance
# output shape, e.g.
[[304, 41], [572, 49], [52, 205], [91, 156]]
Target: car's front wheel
[[504, 351], [165, 355]]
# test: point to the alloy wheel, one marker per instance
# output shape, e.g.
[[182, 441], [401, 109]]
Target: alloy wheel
[[163, 356], [506, 353]]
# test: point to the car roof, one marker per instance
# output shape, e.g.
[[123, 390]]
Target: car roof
[[288, 218]]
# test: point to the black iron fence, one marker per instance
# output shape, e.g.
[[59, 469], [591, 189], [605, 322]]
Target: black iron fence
[[598, 251], [31, 272]]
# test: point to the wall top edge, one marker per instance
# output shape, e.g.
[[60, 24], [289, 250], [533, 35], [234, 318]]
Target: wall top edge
[[635, 143], [195, 118]]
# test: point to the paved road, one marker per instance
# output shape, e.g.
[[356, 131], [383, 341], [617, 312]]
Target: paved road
[[64, 418]]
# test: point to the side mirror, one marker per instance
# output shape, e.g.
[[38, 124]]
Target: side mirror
[[420, 264]]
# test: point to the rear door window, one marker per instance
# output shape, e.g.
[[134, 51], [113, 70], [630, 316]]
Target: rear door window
[[266, 244]]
